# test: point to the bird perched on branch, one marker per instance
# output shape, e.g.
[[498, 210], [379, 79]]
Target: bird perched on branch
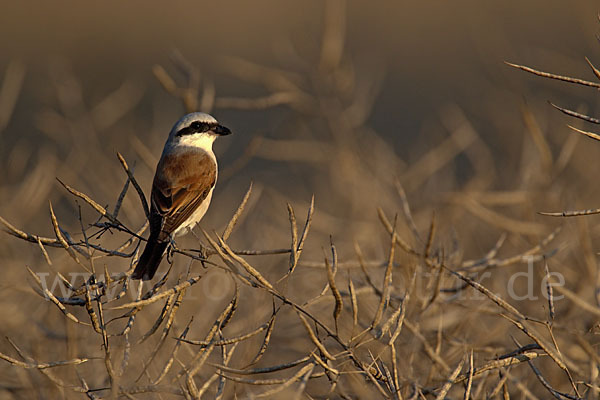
[[182, 188]]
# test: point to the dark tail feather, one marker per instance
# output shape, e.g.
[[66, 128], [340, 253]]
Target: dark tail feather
[[150, 259]]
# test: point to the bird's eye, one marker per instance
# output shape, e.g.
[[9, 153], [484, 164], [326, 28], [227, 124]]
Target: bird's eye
[[195, 125]]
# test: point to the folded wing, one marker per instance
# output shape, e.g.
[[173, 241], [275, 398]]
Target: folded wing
[[184, 182]]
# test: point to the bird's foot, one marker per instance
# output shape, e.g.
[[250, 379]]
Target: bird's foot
[[171, 250], [203, 250]]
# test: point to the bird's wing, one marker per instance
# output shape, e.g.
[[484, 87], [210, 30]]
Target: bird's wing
[[182, 182]]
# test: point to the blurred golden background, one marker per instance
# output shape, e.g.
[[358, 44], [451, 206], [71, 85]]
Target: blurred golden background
[[343, 100], [415, 59]]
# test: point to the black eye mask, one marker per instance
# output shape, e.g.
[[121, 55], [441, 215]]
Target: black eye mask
[[196, 127]]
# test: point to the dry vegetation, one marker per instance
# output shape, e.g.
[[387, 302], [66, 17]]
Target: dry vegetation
[[395, 300]]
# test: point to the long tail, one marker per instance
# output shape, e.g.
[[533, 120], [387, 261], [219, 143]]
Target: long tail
[[150, 259]]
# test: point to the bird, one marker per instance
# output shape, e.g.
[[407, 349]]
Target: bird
[[182, 188]]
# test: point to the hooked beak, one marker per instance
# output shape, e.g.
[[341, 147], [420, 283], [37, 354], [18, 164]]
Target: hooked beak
[[221, 130]]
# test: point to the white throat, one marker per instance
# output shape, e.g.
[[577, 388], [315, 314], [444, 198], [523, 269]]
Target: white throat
[[201, 142]]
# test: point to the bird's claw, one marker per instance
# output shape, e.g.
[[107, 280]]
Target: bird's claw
[[203, 254], [171, 250]]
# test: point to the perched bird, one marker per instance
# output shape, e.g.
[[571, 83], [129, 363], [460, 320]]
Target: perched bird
[[182, 188]]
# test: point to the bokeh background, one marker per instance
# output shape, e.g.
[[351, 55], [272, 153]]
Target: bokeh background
[[409, 92]]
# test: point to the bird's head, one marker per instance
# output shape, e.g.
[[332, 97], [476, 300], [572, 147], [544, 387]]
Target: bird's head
[[197, 127]]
